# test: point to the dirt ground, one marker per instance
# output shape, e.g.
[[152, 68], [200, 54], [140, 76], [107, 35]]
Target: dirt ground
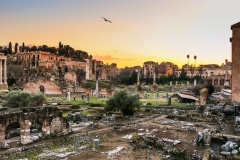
[[111, 138]]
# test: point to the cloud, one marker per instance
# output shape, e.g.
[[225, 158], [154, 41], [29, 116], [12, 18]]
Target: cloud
[[109, 57]]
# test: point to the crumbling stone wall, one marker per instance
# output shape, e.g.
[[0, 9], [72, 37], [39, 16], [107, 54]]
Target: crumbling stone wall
[[48, 116], [235, 40], [56, 125]]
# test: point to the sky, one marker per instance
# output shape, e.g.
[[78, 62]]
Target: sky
[[141, 30]]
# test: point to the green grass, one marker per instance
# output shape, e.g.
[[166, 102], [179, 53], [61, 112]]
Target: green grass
[[64, 114]]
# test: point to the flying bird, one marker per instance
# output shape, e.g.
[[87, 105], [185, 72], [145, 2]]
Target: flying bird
[[106, 20]]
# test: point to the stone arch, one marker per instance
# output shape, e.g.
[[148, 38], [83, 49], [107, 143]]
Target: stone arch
[[42, 88], [12, 130], [222, 82], [216, 82], [36, 126]]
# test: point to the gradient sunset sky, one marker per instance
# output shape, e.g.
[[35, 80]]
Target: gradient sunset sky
[[141, 30]]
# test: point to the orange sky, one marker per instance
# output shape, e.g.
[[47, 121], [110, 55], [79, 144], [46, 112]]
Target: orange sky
[[154, 30]]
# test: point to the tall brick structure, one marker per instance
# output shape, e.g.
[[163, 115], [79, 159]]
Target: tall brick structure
[[235, 40]]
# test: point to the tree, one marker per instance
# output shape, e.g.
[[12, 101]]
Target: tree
[[183, 75], [188, 59], [52, 50], [33, 48], [122, 100], [195, 57], [27, 48], [23, 47], [38, 99], [40, 48], [16, 48], [16, 99], [59, 46], [10, 48]]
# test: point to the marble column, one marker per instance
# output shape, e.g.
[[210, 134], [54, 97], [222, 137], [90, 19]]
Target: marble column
[[1, 71], [87, 68], [5, 71]]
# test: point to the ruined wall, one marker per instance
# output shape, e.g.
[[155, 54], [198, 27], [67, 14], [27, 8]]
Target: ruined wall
[[235, 40], [56, 125], [49, 87]]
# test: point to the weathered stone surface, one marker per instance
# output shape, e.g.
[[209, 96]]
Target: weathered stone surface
[[235, 40], [50, 117]]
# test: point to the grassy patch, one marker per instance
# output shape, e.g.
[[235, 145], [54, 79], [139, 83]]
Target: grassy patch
[[64, 114]]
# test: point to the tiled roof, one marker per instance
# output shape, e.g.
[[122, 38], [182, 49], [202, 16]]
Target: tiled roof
[[236, 25]]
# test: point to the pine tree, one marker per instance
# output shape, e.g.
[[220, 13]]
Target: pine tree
[[10, 48], [16, 48], [23, 47]]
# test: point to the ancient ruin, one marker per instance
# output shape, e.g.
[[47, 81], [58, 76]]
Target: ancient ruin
[[235, 40]]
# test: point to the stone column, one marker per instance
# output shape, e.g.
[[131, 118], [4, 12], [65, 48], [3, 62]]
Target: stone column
[[87, 68], [154, 78], [1, 71], [226, 82], [2, 133], [195, 82], [25, 132], [96, 92], [5, 71], [138, 79]]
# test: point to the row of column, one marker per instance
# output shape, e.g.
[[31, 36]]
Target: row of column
[[3, 62]]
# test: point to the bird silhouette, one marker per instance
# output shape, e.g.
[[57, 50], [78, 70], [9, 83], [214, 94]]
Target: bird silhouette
[[106, 20]]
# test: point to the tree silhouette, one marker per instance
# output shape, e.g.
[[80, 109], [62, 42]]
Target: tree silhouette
[[188, 59], [10, 47], [33, 48], [23, 47], [195, 57], [16, 48]]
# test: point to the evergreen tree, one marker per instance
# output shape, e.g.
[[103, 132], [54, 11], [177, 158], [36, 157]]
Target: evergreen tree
[[10, 48], [23, 47], [16, 48], [183, 75]]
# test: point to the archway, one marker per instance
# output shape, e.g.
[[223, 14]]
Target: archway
[[222, 82], [41, 88], [12, 130], [36, 127], [36, 131]]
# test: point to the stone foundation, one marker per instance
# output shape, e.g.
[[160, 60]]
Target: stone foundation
[[3, 87]]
